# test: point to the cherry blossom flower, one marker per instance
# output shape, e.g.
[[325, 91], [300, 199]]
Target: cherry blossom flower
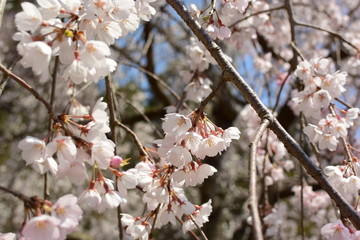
[[304, 71], [137, 228], [239, 5], [68, 212], [90, 198], [201, 216], [102, 152], [49, 8], [7, 236], [336, 231], [179, 156], [176, 124], [111, 199], [38, 155], [42, 227], [128, 180], [29, 19], [37, 56]]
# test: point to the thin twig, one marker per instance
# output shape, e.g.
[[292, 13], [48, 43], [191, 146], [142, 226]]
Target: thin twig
[[2, 9], [232, 75], [190, 231], [199, 111], [5, 76], [198, 227], [31, 90], [142, 114], [111, 106], [156, 77], [301, 177], [154, 222], [342, 139], [329, 32], [112, 118], [297, 50], [255, 14], [82, 89], [254, 209], [19, 195], [52, 102], [345, 104], [140, 146], [280, 91]]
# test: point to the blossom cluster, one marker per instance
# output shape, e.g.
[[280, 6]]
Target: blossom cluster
[[187, 140], [64, 218], [179, 165], [320, 87], [331, 128], [81, 40], [88, 143], [339, 231], [317, 102]]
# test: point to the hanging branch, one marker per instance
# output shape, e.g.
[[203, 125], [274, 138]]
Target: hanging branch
[[112, 118], [257, 13], [29, 202], [290, 144], [329, 32], [140, 146], [190, 231], [254, 209], [203, 236], [46, 193], [2, 9], [31, 90], [342, 139], [142, 114], [199, 111]]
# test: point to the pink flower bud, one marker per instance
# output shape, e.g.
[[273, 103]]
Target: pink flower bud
[[115, 161]]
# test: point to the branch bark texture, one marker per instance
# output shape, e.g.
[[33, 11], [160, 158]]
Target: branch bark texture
[[230, 74], [256, 221]]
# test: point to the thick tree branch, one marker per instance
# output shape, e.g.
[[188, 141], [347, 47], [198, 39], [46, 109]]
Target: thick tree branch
[[291, 145]]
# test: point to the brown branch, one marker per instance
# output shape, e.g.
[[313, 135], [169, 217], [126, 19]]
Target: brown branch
[[5, 77], [254, 209], [156, 211], [160, 95], [2, 9], [203, 236], [111, 106], [29, 202], [46, 192], [329, 32], [140, 146], [199, 111], [342, 139], [290, 144], [142, 114], [190, 231], [157, 78], [31, 90], [112, 118], [255, 14]]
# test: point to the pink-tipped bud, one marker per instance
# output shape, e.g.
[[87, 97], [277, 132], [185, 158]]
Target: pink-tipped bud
[[115, 161]]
